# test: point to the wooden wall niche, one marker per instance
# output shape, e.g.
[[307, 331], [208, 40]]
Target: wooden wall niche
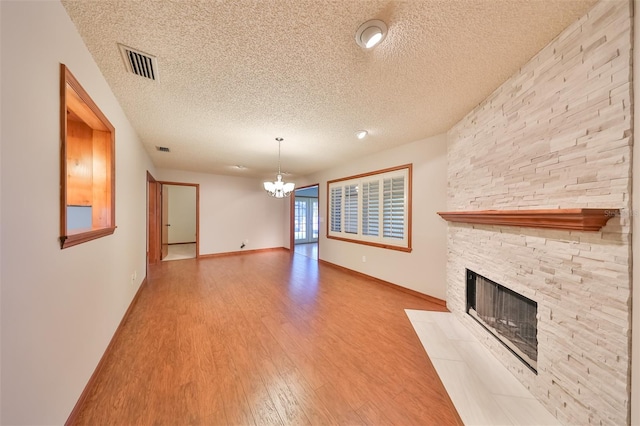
[[87, 166]]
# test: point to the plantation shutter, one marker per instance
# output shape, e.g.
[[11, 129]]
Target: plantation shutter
[[351, 209], [336, 209], [371, 208], [393, 207]]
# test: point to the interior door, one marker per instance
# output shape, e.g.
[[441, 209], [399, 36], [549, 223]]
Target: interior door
[[305, 220], [165, 223], [153, 220], [152, 249]]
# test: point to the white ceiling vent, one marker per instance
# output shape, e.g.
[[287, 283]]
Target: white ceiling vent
[[139, 63]]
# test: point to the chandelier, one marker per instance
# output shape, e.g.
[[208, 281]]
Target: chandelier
[[279, 189]]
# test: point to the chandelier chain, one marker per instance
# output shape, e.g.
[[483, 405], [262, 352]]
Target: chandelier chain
[[279, 142]]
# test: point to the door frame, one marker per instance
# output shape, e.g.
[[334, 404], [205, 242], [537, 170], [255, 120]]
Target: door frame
[[164, 222], [154, 217], [153, 221], [197, 186], [292, 217]]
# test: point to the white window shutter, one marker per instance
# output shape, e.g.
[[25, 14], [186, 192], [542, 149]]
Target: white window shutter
[[393, 212], [351, 209], [336, 209], [371, 208]]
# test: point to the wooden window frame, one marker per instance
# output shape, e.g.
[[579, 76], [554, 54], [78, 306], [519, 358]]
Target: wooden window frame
[[359, 238], [103, 187]]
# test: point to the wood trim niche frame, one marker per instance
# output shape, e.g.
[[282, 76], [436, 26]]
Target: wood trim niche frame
[[87, 166]]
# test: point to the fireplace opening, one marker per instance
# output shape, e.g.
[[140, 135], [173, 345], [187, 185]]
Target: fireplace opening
[[507, 315]]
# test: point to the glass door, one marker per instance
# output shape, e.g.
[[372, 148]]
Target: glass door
[[306, 228]]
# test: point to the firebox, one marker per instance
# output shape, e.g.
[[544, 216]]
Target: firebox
[[510, 317]]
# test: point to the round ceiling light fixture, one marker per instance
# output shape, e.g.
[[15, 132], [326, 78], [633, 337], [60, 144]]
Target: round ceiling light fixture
[[371, 33], [361, 134]]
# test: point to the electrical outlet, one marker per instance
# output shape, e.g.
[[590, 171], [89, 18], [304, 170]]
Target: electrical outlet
[[364, 259]]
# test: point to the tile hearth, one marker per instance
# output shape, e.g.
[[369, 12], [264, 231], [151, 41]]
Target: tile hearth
[[483, 391]]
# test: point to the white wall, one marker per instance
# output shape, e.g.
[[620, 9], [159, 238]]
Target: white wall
[[423, 269], [233, 210], [182, 213], [59, 308], [635, 242]]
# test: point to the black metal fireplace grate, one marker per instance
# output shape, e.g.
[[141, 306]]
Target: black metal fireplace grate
[[509, 316]]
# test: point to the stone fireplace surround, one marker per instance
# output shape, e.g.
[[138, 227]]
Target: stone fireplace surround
[[556, 135]]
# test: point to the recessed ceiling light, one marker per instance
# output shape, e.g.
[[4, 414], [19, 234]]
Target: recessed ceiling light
[[361, 134], [239, 167], [371, 33]]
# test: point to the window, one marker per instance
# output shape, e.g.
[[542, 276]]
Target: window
[[300, 219], [87, 166], [315, 222], [372, 208]]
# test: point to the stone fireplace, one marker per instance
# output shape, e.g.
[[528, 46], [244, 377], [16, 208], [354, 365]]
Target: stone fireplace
[[556, 135]]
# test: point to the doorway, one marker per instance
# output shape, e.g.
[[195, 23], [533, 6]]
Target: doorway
[[173, 220], [305, 221], [179, 221]]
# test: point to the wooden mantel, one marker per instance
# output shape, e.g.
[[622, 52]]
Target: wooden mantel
[[567, 219]]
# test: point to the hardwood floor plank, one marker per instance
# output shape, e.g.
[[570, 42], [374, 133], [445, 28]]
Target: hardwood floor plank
[[285, 400], [339, 408], [250, 375], [370, 414], [316, 411], [234, 399], [267, 339]]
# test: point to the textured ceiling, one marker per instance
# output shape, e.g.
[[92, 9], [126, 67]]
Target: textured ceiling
[[233, 75]]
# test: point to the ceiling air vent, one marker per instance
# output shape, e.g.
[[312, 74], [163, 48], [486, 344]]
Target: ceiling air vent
[[139, 63], [163, 149]]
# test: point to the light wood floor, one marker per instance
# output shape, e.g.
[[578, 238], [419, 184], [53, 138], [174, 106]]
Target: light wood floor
[[180, 252], [264, 339], [308, 249]]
